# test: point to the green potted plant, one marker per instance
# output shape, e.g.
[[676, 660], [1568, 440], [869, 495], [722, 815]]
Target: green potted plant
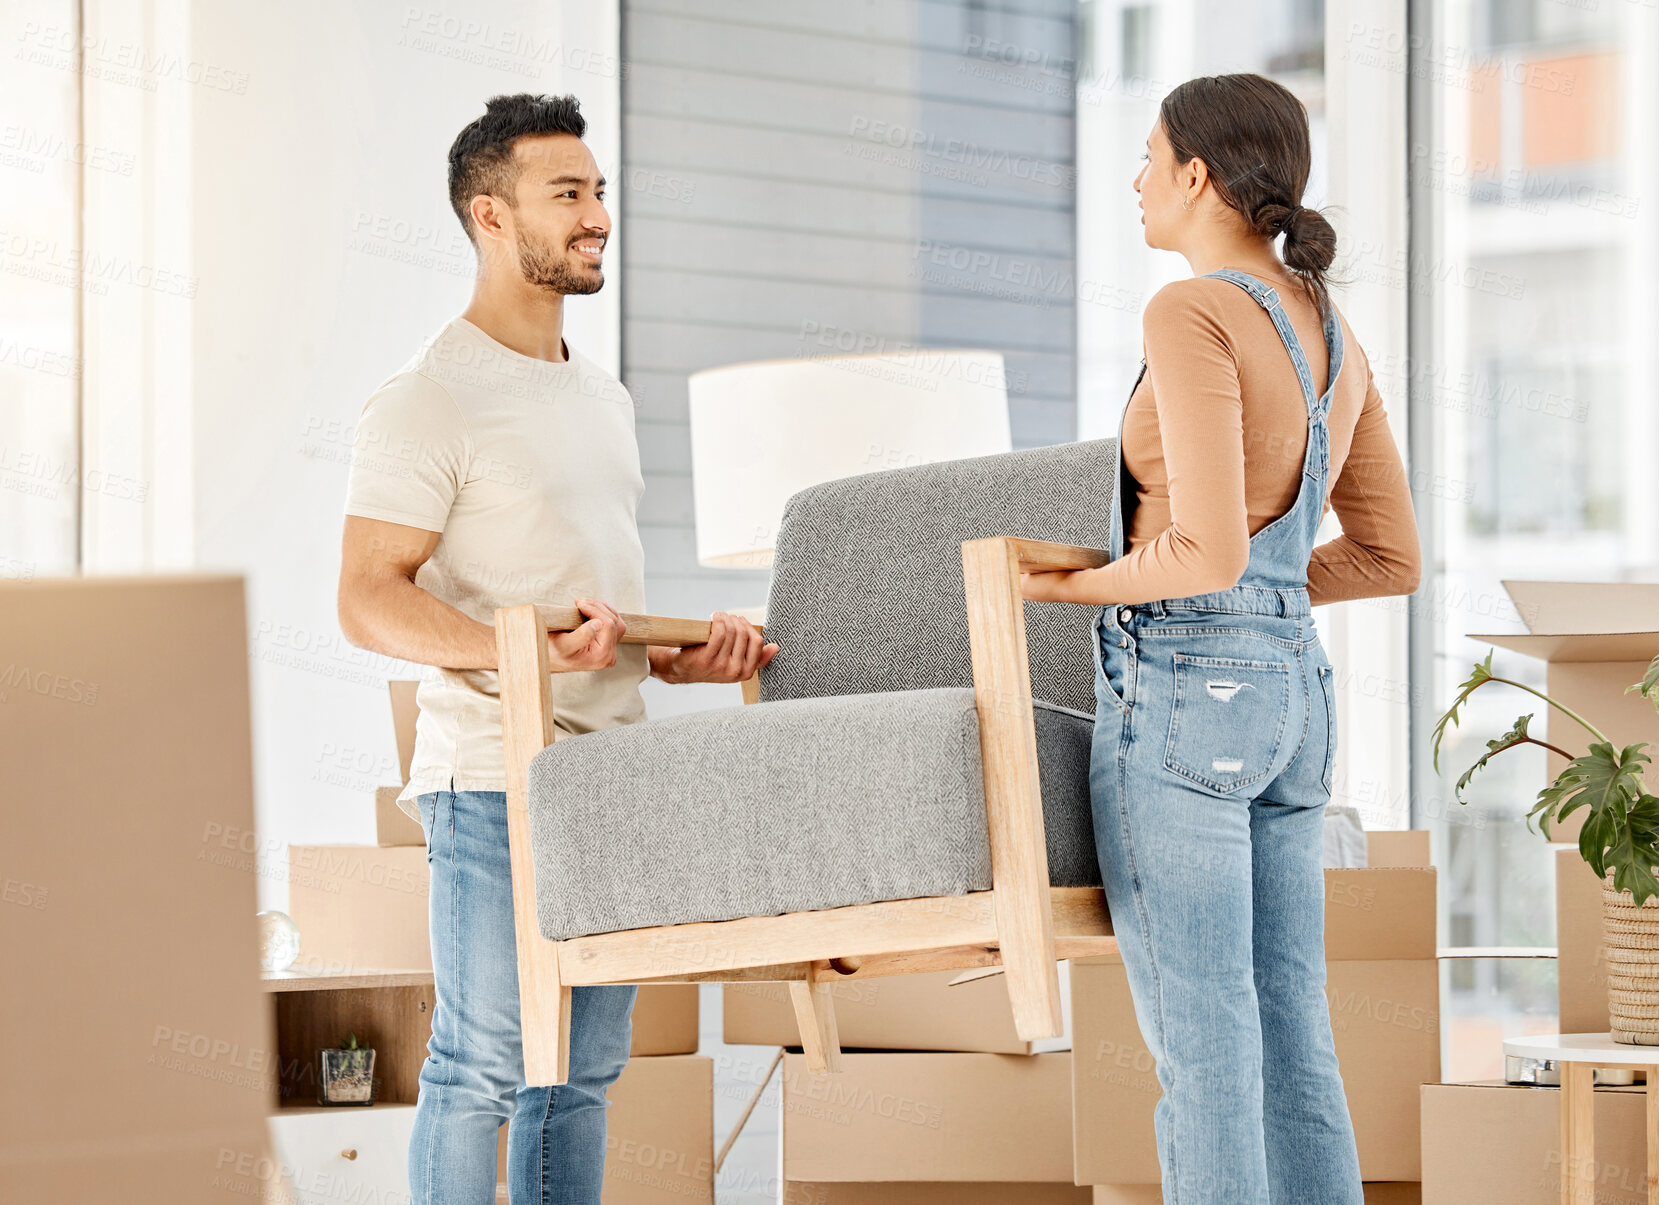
[[345, 1074], [1619, 839]]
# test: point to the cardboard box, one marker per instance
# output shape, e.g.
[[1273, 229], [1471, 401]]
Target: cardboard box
[[1595, 638], [1581, 952], [364, 907], [1397, 1192], [360, 907], [665, 1020], [1491, 1141], [929, 1117], [139, 1055], [405, 714], [393, 825], [795, 1193], [659, 1133], [1397, 847], [1383, 985], [896, 1012]]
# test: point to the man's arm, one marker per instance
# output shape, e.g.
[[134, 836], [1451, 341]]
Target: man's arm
[[381, 608]]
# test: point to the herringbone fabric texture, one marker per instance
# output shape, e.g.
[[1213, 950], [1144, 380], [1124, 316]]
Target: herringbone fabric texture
[[867, 577], [783, 807]]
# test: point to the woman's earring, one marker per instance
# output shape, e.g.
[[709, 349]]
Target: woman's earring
[[1187, 204]]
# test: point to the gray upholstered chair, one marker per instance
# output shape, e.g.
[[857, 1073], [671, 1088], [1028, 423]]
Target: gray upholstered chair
[[904, 790]]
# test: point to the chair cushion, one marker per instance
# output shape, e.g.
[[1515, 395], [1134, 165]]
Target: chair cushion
[[782, 807]]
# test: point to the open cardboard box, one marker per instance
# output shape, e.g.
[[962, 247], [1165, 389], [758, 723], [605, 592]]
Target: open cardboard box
[[1383, 984], [1595, 639]]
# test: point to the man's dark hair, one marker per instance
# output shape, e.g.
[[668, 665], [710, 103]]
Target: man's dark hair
[[481, 157]]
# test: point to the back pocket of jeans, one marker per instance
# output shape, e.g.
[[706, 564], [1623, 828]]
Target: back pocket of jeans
[[1228, 722]]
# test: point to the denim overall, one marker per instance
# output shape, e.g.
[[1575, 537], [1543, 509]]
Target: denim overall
[[1210, 768]]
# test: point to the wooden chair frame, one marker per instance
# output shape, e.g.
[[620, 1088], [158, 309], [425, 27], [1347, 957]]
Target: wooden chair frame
[[1022, 923]]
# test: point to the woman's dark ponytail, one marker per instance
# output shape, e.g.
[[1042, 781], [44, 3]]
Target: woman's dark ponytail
[[1252, 135]]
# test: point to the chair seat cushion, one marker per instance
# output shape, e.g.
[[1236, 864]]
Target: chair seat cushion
[[787, 806]]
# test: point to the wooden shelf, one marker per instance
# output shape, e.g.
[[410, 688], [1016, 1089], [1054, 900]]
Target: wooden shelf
[[297, 1107], [307, 981], [390, 1010]]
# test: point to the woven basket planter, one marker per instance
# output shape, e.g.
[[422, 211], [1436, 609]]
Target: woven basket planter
[[1632, 939]]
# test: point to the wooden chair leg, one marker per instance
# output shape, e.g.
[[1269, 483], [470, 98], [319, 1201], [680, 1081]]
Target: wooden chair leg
[[1033, 991], [544, 1026], [815, 1014], [527, 728]]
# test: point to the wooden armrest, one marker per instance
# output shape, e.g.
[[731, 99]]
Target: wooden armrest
[[642, 629], [1041, 556]]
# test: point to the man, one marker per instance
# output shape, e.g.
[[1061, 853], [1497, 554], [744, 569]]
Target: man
[[500, 467]]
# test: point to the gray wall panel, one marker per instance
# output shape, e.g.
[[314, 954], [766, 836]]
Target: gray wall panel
[[805, 179]]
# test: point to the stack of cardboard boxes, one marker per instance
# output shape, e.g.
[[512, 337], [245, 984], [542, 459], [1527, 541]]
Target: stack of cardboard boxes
[[1492, 1141], [938, 1100], [361, 907]]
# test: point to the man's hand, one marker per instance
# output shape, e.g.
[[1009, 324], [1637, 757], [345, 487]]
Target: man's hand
[[591, 645], [734, 652], [1062, 585]]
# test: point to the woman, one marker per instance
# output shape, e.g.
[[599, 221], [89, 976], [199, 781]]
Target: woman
[[1215, 726]]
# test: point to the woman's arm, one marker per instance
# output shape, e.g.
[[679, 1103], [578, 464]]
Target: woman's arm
[[1378, 553], [1194, 379]]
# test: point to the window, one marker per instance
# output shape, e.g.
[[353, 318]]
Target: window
[[1534, 289], [1130, 55]]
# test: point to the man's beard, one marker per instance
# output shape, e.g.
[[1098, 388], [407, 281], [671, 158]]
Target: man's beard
[[542, 268]]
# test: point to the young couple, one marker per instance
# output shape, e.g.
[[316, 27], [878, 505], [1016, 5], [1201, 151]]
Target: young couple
[[500, 466]]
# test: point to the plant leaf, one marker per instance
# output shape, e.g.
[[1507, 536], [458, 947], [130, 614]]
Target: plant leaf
[[1649, 685], [1620, 827], [1551, 798], [1633, 853], [1599, 779], [1517, 735], [1478, 677]]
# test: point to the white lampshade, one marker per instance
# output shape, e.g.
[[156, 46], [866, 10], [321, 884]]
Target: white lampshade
[[761, 432]]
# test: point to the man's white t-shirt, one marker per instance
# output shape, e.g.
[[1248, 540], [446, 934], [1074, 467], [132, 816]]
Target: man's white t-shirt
[[530, 470]]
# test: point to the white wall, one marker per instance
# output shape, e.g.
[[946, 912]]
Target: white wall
[[291, 200]]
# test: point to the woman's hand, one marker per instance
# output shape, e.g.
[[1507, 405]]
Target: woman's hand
[[1063, 585], [734, 652]]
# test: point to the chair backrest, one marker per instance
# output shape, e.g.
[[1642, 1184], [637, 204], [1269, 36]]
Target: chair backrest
[[867, 590]]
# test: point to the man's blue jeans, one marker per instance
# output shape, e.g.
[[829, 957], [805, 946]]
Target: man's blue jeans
[[473, 1078]]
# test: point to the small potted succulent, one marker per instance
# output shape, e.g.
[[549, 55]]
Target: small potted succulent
[[345, 1074], [1619, 839]]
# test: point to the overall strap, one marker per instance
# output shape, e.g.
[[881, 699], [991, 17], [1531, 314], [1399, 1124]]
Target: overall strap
[[1268, 298]]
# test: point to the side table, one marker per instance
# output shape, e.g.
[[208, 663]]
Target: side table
[[1579, 1054]]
